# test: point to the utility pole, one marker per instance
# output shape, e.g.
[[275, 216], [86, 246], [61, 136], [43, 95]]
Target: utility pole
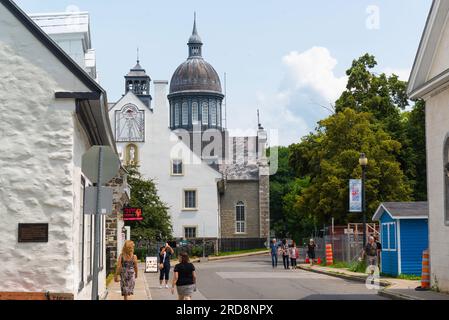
[[97, 218]]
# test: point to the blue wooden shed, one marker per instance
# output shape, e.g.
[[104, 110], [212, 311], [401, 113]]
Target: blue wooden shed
[[404, 235]]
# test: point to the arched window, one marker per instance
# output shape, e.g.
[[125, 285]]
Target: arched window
[[176, 114], [213, 113], [185, 114], [446, 179], [205, 114], [194, 112], [240, 217]]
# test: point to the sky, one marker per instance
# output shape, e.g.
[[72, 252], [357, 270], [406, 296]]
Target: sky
[[286, 58]]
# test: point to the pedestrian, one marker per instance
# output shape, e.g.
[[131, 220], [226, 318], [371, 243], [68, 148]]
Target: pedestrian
[[127, 266], [184, 278], [370, 252], [274, 253], [165, 254], [285, 256], [294, 254], [311, 251]]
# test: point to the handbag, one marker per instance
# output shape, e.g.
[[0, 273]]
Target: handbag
[[161, 266]]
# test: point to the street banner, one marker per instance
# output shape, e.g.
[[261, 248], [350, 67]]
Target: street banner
[[355, 195], [151, 264], [132, 214]]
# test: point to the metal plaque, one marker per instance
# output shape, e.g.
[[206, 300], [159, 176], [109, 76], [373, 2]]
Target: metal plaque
[[33, 232], [90, 204]]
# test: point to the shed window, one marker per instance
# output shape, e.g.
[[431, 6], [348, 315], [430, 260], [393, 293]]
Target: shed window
[[389, 236]]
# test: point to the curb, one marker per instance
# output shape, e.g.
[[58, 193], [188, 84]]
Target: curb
[[396, 296], [382, 283]]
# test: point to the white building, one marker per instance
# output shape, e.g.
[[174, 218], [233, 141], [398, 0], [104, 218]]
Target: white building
[[52, 112], [429, 80]]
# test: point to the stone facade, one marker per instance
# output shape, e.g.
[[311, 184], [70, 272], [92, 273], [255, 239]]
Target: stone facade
[[248, 193]]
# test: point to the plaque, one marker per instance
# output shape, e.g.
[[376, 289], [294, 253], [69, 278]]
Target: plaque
[[33, 232]]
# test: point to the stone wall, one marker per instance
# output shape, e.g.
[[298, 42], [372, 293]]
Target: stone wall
[[248, 192]]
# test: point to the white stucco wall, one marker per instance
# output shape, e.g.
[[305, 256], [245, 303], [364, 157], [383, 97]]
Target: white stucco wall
[[437, 127], [440, 61], [40, 152], [155, 163]]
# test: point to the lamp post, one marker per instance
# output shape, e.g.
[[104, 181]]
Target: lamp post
[[363, 161]]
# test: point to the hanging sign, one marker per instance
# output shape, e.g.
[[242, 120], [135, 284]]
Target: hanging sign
[[355, 195], [132, 214]]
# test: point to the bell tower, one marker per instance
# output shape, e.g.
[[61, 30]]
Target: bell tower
[[138, 82]]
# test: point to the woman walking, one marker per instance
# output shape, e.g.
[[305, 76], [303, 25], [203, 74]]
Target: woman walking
[[294, 253], [127, 269], [165, 254], [184, 278], [285, 257], [311, 251]]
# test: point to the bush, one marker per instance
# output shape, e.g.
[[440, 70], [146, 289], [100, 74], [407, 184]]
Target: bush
[[358, 266]]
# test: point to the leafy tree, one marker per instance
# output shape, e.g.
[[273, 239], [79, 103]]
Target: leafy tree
[[156, 220], [334, 152]]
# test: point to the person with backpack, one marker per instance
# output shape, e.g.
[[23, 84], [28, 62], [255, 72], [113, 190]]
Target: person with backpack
[[294, 254]]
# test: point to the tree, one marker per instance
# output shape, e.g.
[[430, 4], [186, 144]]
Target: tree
[[334, 152], [156, 220], [385, 97]]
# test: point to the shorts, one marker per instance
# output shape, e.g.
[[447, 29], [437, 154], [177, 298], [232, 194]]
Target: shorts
[[186, 290], [372, 260]]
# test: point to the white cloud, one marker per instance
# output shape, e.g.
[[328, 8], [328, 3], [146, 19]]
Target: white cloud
[[309, 83]]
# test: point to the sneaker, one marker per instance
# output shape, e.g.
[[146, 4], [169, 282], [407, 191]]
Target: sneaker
[[166, 286], [160, 287]]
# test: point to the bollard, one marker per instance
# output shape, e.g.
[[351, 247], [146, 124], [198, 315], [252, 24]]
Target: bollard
[[329, 256]]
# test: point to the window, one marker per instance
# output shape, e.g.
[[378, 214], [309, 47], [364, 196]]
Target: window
[[190, 199], [189, 232], [205, 114], [185, 114], [194, 112], [219, 114], [177, 167], [389, 236], [240, 217], [213, 113], [176, 114], [81, 233]]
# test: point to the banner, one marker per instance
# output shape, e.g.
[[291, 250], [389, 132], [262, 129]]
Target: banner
[[355, 195]]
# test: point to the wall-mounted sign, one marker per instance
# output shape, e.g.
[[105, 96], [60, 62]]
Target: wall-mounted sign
[[132, 214], [33, 232], [355, 195], [151, 264]]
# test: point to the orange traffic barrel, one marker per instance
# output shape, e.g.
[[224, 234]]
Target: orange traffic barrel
[[425, 274], [329, 255]]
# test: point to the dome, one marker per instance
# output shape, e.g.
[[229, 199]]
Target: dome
[[195, 74]]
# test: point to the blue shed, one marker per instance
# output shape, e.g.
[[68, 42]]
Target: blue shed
[[404, 235]]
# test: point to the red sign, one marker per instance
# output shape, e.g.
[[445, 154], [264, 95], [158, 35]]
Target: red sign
[[132, 214]]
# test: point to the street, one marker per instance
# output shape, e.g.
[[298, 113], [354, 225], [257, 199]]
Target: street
[[254, 278]]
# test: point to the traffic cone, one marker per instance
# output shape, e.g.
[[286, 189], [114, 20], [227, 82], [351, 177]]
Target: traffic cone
[[329, 256], [307, 260], [318, 261], [425, 274]]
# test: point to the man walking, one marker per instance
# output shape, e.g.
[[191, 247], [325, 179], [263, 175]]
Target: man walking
[[274, 253], [370, 252]]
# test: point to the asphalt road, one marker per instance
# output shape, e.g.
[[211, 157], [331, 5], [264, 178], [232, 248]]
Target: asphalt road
[[254, 278]]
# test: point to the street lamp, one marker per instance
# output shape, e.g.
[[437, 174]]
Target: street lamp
[[363, 161]]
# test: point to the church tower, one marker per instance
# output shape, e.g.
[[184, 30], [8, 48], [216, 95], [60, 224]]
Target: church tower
[[138, 82]]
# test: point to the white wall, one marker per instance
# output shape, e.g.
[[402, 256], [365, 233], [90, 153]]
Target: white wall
[[154, 155], [437, 126]]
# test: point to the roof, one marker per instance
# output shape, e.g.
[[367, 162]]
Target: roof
[[137, 71], [403, 210], [419, 84]]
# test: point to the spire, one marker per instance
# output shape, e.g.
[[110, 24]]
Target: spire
[[195, 42], [138, 61]]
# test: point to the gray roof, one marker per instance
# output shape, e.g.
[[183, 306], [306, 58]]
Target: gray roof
[[137, 71], [404, 210]]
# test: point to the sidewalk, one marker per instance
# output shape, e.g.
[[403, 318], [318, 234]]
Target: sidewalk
[[397, 289], [141, 289]]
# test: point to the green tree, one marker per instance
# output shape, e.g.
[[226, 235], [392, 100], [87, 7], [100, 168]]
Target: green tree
[[334, 152], [156, 220]]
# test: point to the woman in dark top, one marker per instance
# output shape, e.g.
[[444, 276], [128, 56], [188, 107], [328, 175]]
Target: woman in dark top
[[184, 278], [165, 254], [311, 251]]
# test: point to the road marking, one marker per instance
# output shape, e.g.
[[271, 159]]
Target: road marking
[[270, 275]]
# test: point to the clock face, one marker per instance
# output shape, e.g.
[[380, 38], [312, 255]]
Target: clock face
[[130, 124]]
